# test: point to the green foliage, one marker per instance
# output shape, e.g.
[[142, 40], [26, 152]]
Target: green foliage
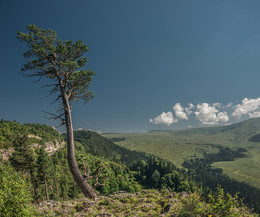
[[223, 204], [15, 195], [220, 205], [43, 169], [108, 176], [61, 61], [180, 145], [150, 203], [160, 174], [10, 129], [201, 171], [24, 158], [98, 145], [53, 177]]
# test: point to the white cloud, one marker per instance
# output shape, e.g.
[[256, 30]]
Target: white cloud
[[228, 105], [189, 109], [254, 114], [164, 118], [180, 114], [217, 104], [247, 107], [208, 114]]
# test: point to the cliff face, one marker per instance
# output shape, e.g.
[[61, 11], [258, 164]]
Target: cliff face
[[51, 148], [6, 153]]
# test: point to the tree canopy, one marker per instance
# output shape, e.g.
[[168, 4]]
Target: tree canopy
[[61, 62]]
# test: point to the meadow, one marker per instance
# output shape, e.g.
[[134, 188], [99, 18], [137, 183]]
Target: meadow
[[180, 145]]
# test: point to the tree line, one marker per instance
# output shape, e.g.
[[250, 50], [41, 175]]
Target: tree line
[[201, 171]]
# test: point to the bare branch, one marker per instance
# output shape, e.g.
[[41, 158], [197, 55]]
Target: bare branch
[[55, 117], [97, 179], [86, 171]]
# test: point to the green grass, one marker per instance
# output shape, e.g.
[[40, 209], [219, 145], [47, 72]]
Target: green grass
[[244, 169], [178, 146], [165, 145]]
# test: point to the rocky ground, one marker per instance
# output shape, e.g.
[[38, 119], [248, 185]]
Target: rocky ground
[[144, 203]]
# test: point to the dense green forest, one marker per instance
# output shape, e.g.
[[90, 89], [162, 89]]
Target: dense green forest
[[102, 147], [32, 175], [200, 170]]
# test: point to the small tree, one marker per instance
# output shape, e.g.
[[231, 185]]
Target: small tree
[[44, 169], [62, 63], [15, 195], [23, 159]]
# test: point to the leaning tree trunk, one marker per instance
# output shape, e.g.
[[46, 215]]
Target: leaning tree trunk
[[87, 190]]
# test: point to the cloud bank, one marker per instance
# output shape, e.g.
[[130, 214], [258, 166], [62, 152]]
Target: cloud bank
[[248, 106], [164, 118], [210, 114]]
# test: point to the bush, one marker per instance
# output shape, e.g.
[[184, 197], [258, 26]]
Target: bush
[[15, 193]]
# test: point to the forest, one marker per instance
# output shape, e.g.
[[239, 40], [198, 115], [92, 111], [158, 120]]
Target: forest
[[200, 170], [31, 175]]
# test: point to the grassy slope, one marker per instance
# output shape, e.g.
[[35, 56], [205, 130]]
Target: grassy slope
[[180, 145]]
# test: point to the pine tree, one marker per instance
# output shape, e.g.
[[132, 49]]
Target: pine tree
[[62, 64], [24, 158], [44, 169]]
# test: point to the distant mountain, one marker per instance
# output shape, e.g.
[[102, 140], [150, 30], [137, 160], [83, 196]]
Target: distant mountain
[[245, 129]]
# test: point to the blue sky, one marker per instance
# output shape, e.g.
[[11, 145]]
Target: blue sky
[[159, 64]]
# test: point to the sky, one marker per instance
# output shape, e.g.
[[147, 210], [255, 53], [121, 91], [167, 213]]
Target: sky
[[160, 65]]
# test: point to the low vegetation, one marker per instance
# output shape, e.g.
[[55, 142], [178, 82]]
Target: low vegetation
[[34, 182], [149, 203]]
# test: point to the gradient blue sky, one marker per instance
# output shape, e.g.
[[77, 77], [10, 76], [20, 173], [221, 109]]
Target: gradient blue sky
[[148, 55]]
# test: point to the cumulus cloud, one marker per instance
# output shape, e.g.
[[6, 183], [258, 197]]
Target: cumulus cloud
[[248, 106], [179, 112], [210, 115], [254, 114], [164, 118], [228, 105], [217, 104], [188, 110]]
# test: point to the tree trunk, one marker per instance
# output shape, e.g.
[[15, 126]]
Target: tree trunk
[[56, 187], [34, 184], [87, 190], [46, 189]]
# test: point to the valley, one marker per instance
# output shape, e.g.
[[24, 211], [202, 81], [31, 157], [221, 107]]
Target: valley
[[178, 146]]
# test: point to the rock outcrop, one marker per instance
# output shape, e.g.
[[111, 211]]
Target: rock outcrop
[[51, 148]]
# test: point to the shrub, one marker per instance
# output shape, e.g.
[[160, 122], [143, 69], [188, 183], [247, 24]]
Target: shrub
[[15, 193]]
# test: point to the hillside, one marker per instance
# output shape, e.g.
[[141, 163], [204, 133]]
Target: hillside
[[98, 145], [9, 130], [178, 146], [47, 179]]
